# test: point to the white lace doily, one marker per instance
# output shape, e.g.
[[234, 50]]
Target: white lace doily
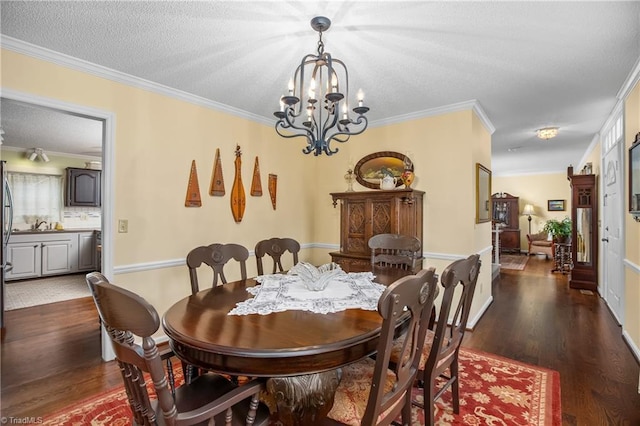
[[278, 293]]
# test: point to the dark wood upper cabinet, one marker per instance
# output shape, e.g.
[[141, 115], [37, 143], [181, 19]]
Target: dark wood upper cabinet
[[83, 188]]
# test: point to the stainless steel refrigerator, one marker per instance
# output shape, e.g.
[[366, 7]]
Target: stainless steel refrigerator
[[6, 218]]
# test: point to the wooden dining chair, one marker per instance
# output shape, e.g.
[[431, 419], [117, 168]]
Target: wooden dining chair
[[210, 396], [373, 392], [165, 352], [442, 346], [394, 251], [275, 248], [216, 256]]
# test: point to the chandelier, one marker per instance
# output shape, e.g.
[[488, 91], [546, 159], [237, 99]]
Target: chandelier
[[325, 83], [547, 133]]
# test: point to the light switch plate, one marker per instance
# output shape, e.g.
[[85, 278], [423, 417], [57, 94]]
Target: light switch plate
[[123, 226]]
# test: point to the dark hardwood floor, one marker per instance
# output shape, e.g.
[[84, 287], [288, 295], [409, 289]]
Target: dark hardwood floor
[[51, 353]]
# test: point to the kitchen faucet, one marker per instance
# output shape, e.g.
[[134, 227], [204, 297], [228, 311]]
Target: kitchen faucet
[[37, 224]]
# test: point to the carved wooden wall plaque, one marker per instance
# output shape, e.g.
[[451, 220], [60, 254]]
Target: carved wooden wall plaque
[[256, 185], [193, 189], [273, 186], [216, 188], [238, 200]]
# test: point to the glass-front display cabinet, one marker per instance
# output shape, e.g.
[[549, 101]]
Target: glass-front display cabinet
[[584, 238]]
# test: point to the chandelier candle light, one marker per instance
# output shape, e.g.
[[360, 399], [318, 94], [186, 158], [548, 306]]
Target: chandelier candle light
[[327, 90]]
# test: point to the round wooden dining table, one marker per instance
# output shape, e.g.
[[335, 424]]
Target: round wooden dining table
[[300, 352]]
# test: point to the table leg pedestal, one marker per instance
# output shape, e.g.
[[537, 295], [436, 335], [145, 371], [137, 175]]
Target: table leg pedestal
[[302, 400]]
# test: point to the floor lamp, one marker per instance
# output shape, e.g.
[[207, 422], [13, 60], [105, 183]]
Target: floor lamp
[[528, 211]]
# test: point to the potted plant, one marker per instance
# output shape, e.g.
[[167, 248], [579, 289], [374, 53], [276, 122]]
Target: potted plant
[[560, 230]]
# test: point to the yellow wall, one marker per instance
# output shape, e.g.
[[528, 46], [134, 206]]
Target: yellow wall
[[444, 150], [632, 233], [157, 137], [536, 190]]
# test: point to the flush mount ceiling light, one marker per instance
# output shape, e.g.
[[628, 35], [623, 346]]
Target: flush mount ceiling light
[[325, 83], [38, 152], [547, 133]]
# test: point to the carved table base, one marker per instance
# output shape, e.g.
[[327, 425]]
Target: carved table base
[[302, 400]]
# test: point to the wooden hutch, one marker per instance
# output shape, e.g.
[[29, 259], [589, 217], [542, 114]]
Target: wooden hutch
[[364, 214], [584, 232], [505, 216]]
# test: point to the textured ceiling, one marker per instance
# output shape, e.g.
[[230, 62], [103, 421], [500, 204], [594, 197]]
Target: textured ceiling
[[528, 64]]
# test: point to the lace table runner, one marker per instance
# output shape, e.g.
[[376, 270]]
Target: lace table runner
[[278, 293]]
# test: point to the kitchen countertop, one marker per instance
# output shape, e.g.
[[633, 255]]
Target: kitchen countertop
[[51, 231]]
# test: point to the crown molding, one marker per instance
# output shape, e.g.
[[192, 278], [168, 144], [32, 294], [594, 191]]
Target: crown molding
[[473, 105], [630, 82], [67, 61]]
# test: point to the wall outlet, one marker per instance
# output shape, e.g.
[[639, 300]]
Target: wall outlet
[[123, 226]]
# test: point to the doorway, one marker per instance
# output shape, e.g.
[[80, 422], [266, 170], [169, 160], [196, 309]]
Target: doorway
[[108, 133], [613, 219]]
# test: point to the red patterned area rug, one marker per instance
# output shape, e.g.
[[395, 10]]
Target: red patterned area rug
[[493, 391]]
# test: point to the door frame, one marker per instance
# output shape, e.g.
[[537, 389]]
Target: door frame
[[108, 168]]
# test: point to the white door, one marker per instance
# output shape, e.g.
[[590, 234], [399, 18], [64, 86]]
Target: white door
[[612, 232]]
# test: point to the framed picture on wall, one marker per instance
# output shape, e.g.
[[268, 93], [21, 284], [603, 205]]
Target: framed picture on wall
[[555, 205]]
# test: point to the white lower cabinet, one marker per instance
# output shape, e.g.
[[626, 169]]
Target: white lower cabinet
[[87, 251], [58, 256], [25, 260], [50, 253]]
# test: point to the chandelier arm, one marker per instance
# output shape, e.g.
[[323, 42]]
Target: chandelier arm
[[349, 132], [278, 126], [290, 113]]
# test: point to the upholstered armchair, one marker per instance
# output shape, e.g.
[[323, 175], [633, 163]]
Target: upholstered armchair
[[540, 243]]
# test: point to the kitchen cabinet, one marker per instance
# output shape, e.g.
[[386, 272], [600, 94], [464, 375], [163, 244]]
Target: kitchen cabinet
[[83, 187], [40, 254], [364, 214], [58, 256], [87, 251], [25, 260]]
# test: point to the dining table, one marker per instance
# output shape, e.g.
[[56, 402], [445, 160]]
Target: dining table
[[298, 351]]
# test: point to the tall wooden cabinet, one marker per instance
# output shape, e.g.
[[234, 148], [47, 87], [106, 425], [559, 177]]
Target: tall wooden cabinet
[[364, 214], [504, 213], [584, 235]]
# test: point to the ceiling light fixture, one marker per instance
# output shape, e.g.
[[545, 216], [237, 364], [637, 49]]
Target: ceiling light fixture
[[38, 152], [327, 91], [547, 133]]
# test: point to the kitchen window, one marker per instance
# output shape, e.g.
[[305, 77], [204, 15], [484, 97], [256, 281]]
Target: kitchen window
[[36, 197]]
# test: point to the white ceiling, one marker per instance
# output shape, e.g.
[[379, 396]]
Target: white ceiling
[[528, 64]]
